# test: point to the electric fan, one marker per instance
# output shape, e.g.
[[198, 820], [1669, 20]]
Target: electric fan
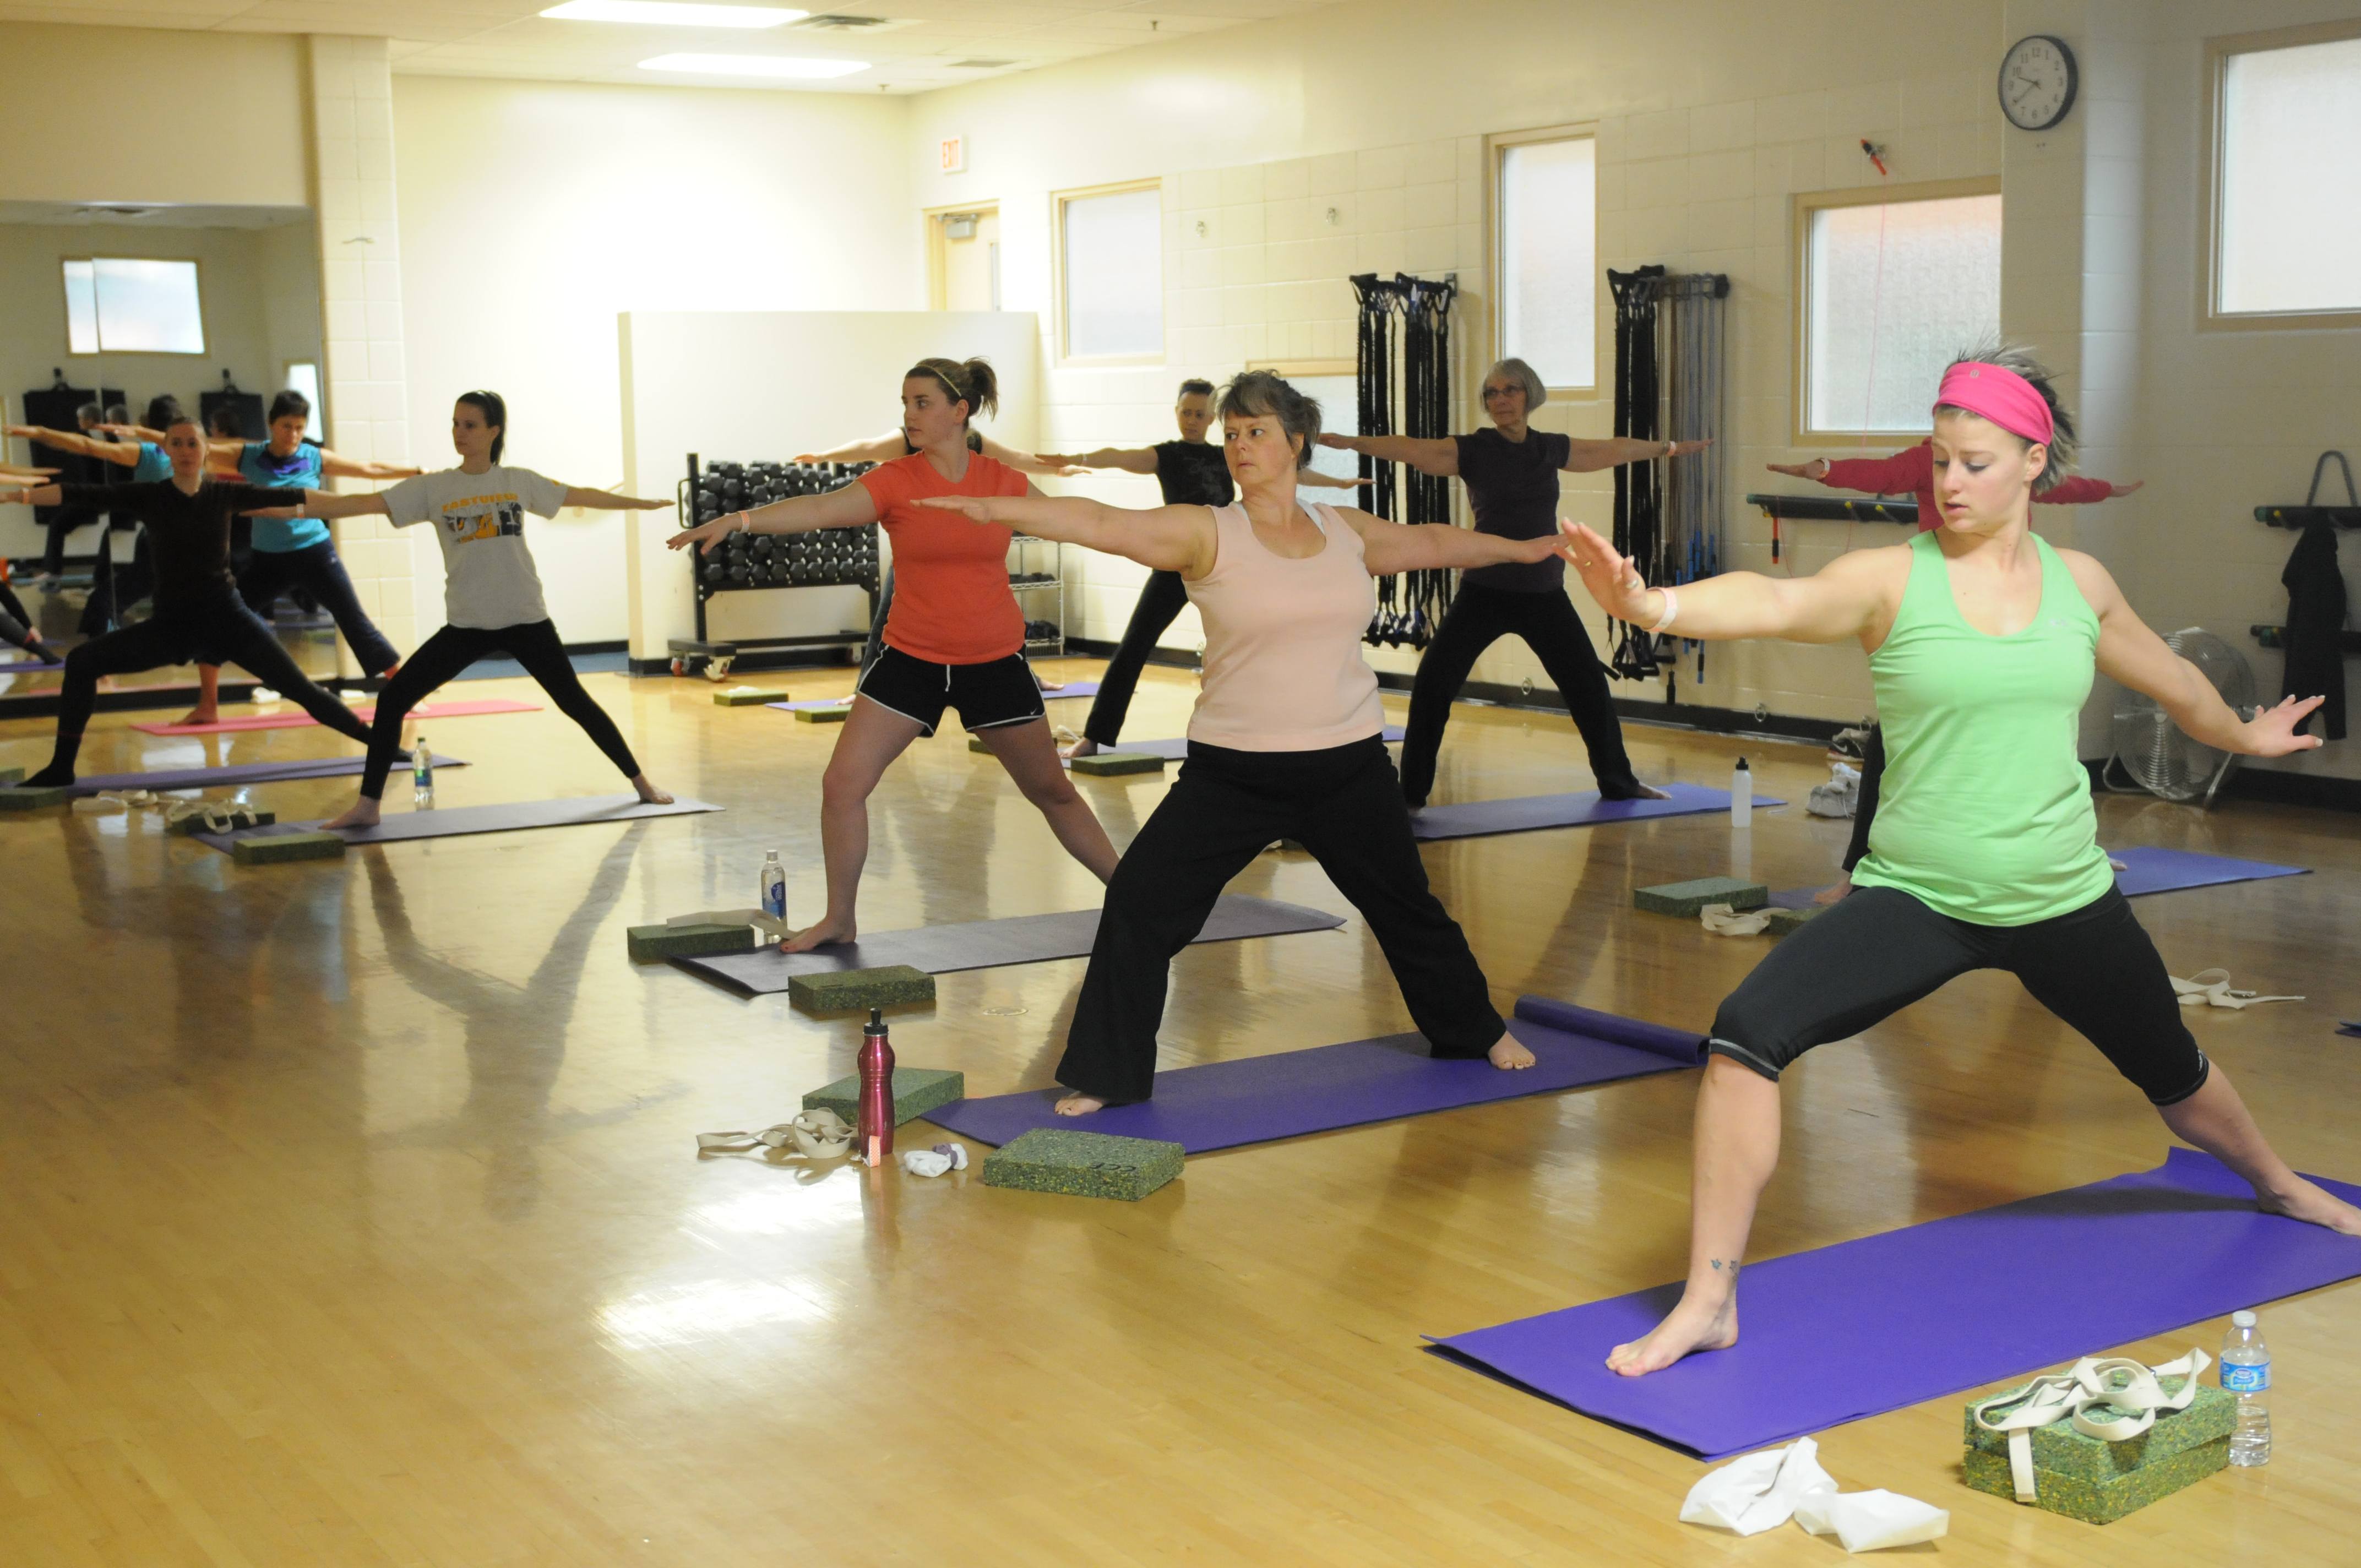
[[2154, 752]]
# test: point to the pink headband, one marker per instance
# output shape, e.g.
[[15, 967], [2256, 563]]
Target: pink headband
[[2000, 395]]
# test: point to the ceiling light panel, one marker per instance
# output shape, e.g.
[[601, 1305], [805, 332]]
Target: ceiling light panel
[[784, 67], [666, 13]]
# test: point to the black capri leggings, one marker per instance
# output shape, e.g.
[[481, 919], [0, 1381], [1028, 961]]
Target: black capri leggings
[[1879, 949], [17, 622], [1345, 806], [318, 568], [1479, 617], [532, 643], [1160, 600]]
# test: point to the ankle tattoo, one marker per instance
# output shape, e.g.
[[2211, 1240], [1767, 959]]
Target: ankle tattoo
[[1726, 1265]]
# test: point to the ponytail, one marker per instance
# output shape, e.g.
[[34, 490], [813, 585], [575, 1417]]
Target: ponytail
[[972, 382]]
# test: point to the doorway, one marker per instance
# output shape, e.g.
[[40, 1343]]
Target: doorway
[[963, 258]]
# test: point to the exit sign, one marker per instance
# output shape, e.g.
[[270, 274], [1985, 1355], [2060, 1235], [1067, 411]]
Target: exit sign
[[952, 155]]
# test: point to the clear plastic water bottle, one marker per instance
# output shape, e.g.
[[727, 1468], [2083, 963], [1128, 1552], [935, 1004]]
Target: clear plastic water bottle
[[2247, 1371], [1741, 795], [422, 775], [775, 887]]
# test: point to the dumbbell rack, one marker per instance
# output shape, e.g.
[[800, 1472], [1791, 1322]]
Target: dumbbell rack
[[1029, 581], [833, 557]]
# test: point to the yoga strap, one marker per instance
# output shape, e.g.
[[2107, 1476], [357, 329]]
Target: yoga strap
[[815, 1134], [2112, 1399], [2211, 988]]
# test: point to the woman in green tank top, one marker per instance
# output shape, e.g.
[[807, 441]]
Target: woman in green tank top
[[1984, 641]]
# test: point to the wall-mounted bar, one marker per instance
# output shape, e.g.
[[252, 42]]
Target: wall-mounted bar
[[2276, 637], [1836, 509]]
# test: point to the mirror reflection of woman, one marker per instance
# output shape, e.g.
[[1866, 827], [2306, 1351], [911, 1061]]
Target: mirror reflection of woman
[[954, 639], [1511, 474]]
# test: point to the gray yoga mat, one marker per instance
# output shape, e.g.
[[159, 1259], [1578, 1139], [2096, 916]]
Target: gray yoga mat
[[1584, 809], [451, 823], [235, 773], [988, 943]]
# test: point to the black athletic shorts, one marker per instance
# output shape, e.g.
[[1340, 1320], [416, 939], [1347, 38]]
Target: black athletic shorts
[[988, 695]]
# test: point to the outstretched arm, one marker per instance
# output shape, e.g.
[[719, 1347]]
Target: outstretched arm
[[2131, 652], [1429, 455], [1167, 539], [607, 501], [875, 449], [337, 467], [113, 452], [1390, 547], [11, 471], [33, 496], [1130, 459], [1589, 456], [1023, 462], [1853, 596], [2076, 491], [1312, 479], [327, 506], [846, 506]]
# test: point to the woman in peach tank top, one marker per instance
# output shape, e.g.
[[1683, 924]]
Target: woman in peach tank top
[[1286, 742]]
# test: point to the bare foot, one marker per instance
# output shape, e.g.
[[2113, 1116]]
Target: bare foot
[[200, 715], [820, 936], [363, 813], [1687, 1329], [1053, 685], [1083, 748], [1650, 792], [649, 792], [2315, 1206], [1508, 1055], [1835, 890], [1078, 1105]]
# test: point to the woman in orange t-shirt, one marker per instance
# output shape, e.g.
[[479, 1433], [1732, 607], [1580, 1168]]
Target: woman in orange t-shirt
[[954, 638]]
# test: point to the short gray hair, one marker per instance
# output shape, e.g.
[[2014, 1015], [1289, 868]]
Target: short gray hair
[[1524, 375], [1265, 394]]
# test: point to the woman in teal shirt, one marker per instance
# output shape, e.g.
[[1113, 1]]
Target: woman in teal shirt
[[1984, 641]]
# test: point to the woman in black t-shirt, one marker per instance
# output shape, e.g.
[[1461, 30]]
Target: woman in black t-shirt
[[1191, 471], [1511, 472]]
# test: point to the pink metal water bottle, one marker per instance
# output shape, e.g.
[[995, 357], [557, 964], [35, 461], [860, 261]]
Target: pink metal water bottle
[[876, 1118]]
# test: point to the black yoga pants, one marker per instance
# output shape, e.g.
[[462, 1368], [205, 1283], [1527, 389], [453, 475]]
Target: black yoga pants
[[533, 643], [16, 621], [222, 630], [1865, 811], [1162, 598], [1878, 950], [1479, 617], [318, 568], [1342, 804]]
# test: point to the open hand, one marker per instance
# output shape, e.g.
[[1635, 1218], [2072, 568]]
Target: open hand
[[1547, 547], [2119, 491], [705, 536], [1683, 448], [1801, 470], [2271, 732], [1613, 581], [1341, 443], [975, 509]]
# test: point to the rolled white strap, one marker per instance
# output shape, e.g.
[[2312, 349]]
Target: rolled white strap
[[2110, 1398], [815, 1134], [1723, 921], [2212, 988]]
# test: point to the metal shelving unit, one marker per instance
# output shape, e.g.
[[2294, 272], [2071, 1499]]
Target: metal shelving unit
[[1035, 585]]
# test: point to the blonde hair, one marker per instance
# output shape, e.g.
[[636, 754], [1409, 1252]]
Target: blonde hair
[[2065, 446]]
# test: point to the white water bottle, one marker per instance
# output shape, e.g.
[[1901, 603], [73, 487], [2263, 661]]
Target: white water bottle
[[774, 888], [2247, 1371], [422, 775], [1741, 795]]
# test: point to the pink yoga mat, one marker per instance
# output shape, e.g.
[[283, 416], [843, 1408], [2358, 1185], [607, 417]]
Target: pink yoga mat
[[298, 719]]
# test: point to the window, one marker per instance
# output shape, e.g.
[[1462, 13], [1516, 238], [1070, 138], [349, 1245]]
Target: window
[[303, 376], [1896, 281], [127, 305], [1111, 273], [2286, 184], [1547, 245]]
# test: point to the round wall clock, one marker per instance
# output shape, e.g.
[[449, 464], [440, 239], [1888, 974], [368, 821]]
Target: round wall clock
[[2037, 81]]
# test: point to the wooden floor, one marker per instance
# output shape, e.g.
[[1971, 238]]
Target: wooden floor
[[354, 1215]]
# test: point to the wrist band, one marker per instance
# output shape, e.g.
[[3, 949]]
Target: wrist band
[[1671, 609], [745, 523]]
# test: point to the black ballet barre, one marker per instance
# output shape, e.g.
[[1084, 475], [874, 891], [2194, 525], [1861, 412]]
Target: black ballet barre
[[2275, 637], [1836, 509], [2304, 517]]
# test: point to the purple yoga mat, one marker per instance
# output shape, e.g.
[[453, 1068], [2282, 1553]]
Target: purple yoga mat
[[2144, 872], [987, 944], [1865, 1327], [1584, 809], [452, 822], [235, 773], [1222, 1104], [1072, 688]]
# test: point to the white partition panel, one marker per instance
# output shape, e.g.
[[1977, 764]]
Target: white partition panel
[[745, 385]]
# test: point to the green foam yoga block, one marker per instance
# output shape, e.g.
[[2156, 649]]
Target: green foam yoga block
[[16, 797], [271, 850], [975, 743], [840, 990], [746, 697], [1107, 764], [916, 1091], [11, 777], [187, 825], [2098, 1502], [2058, 1448], [1685, 898], [1785, 921], [823, 714], [652, 944], [1083, 1165]]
